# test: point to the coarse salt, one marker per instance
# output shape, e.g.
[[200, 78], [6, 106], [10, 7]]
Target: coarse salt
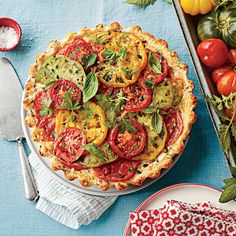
[[8, 37]]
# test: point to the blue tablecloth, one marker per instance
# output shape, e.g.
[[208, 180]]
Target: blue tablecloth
[[42, 21]]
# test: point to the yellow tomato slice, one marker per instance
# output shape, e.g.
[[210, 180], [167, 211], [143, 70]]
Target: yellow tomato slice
[[91, 119], [124, 59], [156, 142]]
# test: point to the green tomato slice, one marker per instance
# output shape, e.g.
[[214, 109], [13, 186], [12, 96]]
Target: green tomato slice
[[164, 95], [60, 67], [95, 161]]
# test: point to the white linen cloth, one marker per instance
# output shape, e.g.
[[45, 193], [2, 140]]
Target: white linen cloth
[[64, 204]]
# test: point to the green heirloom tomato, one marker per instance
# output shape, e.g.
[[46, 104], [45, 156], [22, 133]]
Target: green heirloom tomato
[[219, 24]]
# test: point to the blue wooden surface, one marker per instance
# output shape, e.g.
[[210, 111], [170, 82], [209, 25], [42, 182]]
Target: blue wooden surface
[[42, 21]]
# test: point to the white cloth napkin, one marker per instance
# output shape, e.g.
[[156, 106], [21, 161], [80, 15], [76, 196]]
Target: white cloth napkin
[[65, 205]]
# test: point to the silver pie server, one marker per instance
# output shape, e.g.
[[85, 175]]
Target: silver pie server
[[10, 121]]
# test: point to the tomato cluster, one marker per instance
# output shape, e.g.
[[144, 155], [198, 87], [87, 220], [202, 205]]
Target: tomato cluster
[[215, 53]]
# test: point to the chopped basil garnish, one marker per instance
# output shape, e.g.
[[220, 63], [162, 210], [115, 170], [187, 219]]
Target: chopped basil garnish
[[123, 52], [126, 125], [154, 63], [111, 105], [149, 83], [89, 60], [129, 73], [110, 55], [131, 169], [46, 110], [69, 103]]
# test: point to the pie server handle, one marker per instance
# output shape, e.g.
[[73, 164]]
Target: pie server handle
[[31, 192]]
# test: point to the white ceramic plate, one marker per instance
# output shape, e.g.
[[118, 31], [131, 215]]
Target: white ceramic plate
[[190, 193], [59, 175]]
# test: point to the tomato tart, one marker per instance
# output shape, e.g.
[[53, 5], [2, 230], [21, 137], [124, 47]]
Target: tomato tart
[[109, 106]]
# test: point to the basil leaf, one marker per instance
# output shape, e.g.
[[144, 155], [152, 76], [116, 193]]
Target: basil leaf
[[89, 60], [47, 102], [149, 110], [228, 194], [154, 63], [157, 122], [46, 110], [90, 87], [94, 149], [68, 99]]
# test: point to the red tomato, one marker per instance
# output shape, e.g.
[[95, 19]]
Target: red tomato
[[229, 113], [218, 73], [40, 96], [79, 48], [139, 97], [226, 80], [68, 144], [233, 55], [116, 171], [75, 166], [174, 125], [60, 88], [213, 52], [128, 144], [148, 74], [47, 124]]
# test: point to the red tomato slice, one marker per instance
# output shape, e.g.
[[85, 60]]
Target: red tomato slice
[[47, 124], [40, 96], [60, 88], [75, 166], [174, 125], [79, 48], [139, 97], [128, 144], [148, 74], [116, 171], [103, 89], [68, 144]]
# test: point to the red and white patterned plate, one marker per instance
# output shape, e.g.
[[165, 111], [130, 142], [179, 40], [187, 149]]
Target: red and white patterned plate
[[189, 193]]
